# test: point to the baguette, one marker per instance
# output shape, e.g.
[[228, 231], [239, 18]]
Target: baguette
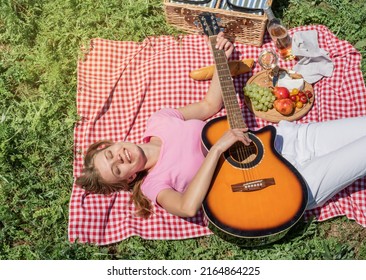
[[237, 67]]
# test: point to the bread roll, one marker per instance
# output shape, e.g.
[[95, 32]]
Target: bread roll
[[237, 67]]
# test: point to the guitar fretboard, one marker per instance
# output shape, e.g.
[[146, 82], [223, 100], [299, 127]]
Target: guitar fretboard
[[231, 104]]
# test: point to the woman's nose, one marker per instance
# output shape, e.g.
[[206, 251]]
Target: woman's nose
[[118, 158]]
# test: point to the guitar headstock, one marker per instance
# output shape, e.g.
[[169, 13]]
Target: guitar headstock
[[209, 24]]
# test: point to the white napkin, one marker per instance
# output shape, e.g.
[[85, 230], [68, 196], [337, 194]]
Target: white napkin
[[314, 62]]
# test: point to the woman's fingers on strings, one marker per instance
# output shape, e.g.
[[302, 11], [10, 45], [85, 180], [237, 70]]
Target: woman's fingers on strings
[[242, 135], [224, 44]]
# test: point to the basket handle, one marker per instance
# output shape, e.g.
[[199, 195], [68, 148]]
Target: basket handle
[[193, 2], [243, 9]]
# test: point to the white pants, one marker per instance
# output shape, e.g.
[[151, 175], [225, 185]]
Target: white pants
[[329, 155]]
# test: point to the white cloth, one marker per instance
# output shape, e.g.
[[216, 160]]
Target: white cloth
[[314, 62], [329, 155]]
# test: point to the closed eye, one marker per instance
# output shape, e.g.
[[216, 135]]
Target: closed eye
[[108, 154], [115, 170]]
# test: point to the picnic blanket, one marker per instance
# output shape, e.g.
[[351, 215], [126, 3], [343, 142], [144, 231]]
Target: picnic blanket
[[120, 84]]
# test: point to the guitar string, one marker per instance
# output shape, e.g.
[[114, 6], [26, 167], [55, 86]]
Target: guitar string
[[244, 152], [241, 151]]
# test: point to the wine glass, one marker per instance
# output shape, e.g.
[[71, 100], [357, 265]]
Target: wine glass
[[268, 60]]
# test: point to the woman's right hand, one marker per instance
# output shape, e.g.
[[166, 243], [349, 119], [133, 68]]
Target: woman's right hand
[[230, 137], [187, 204]]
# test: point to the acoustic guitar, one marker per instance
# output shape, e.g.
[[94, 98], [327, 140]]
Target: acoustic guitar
[[256, 195]]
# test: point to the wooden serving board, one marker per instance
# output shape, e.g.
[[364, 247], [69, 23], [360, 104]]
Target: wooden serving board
[[272, 115]]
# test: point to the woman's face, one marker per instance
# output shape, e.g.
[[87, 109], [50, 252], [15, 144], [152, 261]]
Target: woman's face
[[120, 161]]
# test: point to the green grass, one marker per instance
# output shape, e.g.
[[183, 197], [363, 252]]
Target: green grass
[[39, 48]]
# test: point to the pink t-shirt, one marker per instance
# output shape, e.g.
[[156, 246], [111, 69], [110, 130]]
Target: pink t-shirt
[[181, 152]]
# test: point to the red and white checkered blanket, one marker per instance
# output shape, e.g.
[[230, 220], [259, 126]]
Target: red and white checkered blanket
[[120, 84]]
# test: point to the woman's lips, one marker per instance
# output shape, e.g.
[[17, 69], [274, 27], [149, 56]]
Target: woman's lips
[[128, 155]]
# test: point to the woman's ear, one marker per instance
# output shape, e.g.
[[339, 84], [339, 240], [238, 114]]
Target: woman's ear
[[131, 178]]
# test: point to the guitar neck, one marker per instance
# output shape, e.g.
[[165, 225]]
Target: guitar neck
[[231, 104]]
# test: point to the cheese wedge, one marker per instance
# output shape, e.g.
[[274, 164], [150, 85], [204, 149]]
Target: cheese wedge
[[286, 81]]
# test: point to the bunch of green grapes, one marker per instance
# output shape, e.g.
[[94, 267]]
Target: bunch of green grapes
[[261, 97]]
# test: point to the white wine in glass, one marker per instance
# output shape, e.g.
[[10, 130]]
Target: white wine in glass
[[268, 60]]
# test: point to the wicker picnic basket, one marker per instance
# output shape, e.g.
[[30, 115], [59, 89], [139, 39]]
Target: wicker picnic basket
[[244, 25]]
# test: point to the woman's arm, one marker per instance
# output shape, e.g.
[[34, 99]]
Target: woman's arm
[[188, 203], [212, 103]]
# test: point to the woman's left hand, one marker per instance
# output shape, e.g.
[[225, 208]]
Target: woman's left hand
[[224, 44], [212, 102]]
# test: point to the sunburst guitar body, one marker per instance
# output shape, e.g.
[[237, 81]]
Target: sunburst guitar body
[[256, 195]]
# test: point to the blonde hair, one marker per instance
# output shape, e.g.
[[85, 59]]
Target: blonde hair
[[92, 182]]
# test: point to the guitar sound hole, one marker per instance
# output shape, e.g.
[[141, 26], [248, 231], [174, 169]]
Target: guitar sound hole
[[243, 154]]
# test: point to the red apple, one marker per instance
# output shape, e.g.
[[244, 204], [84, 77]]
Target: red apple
[[281, 92], [284, 106]]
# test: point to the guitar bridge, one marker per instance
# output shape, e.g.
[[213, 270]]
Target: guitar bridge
[[254, 185]]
